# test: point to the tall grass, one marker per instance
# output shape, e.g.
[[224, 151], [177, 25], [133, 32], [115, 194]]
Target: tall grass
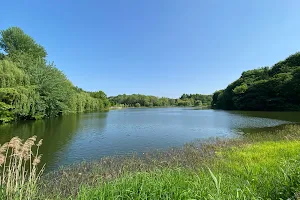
[[18, 167]]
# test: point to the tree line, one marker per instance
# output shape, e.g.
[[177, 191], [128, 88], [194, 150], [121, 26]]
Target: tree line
[[138, 100], [200, 100], [32, 88], [275, 88]]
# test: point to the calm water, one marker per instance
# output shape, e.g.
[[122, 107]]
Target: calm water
[[74, 138]]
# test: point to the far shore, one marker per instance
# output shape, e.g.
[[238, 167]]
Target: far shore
[[194, 107]]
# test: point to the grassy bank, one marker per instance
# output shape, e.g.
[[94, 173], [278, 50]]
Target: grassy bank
[[261, 165]]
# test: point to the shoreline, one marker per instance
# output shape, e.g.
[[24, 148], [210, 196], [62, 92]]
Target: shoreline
[[219, 155]]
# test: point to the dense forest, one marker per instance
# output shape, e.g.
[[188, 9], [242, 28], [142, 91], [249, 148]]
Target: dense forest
[[32, 88], [267, 88], [195, 100], [138, 100]]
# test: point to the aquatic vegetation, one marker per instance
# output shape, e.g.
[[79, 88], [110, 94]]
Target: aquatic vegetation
[[263, 165], [237, 175]]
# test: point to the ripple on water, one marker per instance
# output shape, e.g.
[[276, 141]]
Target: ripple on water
[[89, 136]]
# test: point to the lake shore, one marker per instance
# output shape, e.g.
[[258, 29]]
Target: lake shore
[[252, 166], [116, 107]]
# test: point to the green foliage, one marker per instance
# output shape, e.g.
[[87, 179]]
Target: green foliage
[[275, 88], [54, 89], [2, 56], [11, 75], [32, 89], [195, 100], [198, 103], [141, 100], [240, 89], [185, 102], [23, 102], [152, 101], [287, 65], [5, 114], [99, 95], [14, 40]]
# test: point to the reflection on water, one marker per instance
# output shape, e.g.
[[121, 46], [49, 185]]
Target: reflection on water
[[286, 116], [78, 137], [57, 133]]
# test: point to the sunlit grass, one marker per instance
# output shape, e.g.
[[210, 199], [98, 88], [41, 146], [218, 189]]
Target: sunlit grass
[[263, 165], [267, 154], [259, 171]]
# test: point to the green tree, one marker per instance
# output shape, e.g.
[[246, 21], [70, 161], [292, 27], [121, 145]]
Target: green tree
[[137, 105], [275, 88], [99, 95], [198, 103], [2, 56], [32, 89], [14, 40]]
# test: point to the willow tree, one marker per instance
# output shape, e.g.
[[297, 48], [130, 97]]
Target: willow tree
[[32, 89]]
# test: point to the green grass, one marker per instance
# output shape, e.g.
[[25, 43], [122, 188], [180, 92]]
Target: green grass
[[263, 165], [269, 170]]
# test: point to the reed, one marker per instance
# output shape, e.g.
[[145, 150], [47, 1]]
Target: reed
[[19, 171]]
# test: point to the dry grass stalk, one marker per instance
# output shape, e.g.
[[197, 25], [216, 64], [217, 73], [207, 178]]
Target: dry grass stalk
[[18, 167]]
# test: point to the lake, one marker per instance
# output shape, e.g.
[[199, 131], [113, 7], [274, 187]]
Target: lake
[[78, 137]]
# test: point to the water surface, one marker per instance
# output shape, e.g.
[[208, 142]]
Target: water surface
[[74, 138]]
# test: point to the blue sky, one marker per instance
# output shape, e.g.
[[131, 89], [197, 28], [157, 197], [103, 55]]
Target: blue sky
[[158, 47]]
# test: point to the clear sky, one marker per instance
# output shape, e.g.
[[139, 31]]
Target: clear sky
[[158, 47]]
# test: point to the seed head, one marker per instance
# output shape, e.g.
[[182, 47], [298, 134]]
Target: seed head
[[30, 141], [33, 138], [15, 142], [40, 143], [3, 148], [36, 160], [2, 159]]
